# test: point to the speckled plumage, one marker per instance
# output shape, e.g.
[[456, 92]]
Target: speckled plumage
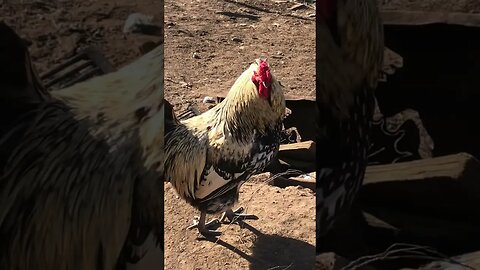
[[81, 173], [123, 106], [208, 157], [350, 50], [64, 209]]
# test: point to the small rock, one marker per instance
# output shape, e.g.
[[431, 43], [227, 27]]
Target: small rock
[[196, 55], [208, 99], [135, 21], [236, 39], [186, 84], [297, 6]]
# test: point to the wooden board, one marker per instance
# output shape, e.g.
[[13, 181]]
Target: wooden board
[[444, 187], [391, 17], [435, 200], [453, 167], [470, 259], [304, 151]]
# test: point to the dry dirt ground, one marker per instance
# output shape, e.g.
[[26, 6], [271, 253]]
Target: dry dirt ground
[[225, 37], [282, 238], [57, 29]]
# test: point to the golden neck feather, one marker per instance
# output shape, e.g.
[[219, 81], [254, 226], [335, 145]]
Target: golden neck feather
[[244, 107]]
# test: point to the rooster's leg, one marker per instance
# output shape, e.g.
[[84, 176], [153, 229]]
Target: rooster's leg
[[236, 216], [203, 227]]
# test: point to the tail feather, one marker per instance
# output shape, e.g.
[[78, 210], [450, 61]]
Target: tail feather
[[170, 119], [20, 88], [18, 79]]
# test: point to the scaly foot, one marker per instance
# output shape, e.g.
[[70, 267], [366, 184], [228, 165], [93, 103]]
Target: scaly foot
[[205, 228], [236, 216]]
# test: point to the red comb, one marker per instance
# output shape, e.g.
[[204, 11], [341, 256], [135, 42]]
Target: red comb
[[264, 70], [263, 78]]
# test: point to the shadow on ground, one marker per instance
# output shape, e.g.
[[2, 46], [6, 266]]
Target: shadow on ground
[[274, 252]]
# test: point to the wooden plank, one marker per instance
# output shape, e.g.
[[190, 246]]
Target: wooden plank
[[470, 260], [442, 190], [332, 261], [451, 166], [434, 230], [391, 17], [304, 151], [308, 145]]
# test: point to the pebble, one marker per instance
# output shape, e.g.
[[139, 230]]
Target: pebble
[[135, 21], [208, 99]]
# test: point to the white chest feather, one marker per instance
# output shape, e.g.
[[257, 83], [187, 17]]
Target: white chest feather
[[212, 182]]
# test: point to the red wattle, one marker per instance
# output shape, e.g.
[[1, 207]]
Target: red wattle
[[261, 78], [263, 91]]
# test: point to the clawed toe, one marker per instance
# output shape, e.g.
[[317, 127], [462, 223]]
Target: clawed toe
[[208, 229], [205, 229], [236, 216], [209, 233]]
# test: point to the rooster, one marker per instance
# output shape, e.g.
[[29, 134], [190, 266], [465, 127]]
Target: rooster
[[209, 156], [81, 168], [350, 57]]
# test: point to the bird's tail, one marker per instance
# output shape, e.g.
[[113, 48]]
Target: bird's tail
[[18, 78], [170, 119]]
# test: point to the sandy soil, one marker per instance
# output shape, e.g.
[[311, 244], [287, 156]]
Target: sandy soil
[[226, 36], [208, 44], [57, 29], [282, 238]]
